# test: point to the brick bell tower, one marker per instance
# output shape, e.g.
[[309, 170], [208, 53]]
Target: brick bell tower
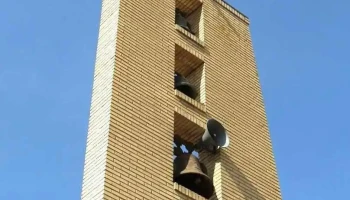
[[174, 77]]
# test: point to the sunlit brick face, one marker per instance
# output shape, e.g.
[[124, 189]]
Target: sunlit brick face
[[136, 111]]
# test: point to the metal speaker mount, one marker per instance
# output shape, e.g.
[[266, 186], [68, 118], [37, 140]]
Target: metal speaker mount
[[182, 21], [184, 86], [214, 137], [192, 174]]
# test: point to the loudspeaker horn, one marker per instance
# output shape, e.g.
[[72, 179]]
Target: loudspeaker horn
[[214, 137]]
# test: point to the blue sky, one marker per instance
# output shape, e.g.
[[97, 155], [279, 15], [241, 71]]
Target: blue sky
[[47, 53]]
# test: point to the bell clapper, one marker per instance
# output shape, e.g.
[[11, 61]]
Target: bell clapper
[[198, 181]]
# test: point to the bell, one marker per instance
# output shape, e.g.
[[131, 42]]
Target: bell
[[182, 21], [184, 86], [214, 137], [188, 172]]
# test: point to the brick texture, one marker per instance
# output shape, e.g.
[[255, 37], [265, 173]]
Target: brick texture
[[135, 111], [96, 149]]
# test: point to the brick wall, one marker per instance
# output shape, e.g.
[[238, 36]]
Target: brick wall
[[131, 157], [96, 149], [196, 20], [233, 96], [139, 160]]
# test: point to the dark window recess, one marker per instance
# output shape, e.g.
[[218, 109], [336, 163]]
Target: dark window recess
[[181, 20], [189, 139], [184, 86]]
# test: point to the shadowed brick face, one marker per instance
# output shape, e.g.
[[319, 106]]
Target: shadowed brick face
[[135, 111]]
